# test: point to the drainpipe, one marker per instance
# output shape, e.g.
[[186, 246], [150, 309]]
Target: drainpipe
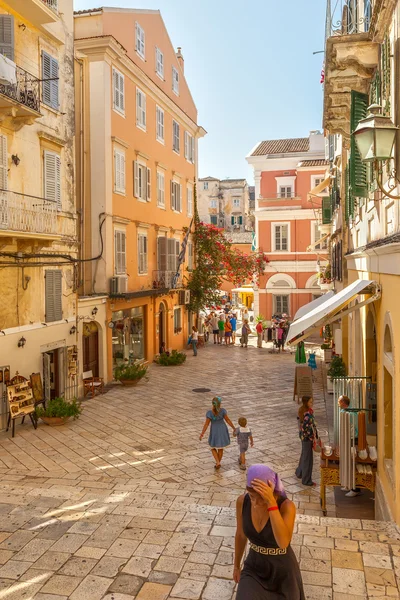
[[82, 170]]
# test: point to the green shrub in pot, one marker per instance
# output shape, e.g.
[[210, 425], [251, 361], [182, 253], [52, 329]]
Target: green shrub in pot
[[133, 372], [60, 408], [169, 360], [337, 368]]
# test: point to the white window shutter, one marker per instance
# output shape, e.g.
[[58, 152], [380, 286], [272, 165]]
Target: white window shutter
[[117, 252], [52, 177], [144, 110], [3, 162], [121, 88], [117, 171], [115, 88], [179, 208], [172, 195], [58, 182], [192, 150], [148, 188], [145, 254], [186, 145], [136, 179], [46, 75], [122, 172]]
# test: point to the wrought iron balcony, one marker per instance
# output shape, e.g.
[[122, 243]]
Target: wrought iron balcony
[[346, 17], [166, 280], [52, 4], [27, 214], [24, 96]]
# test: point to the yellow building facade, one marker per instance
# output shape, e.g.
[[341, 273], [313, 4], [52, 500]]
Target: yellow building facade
[[38, 244], [136, 144]]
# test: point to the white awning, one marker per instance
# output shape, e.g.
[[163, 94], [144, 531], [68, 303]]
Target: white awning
[[243, 290], [320, 241], [332, 309], [317, 191], [311, 305]]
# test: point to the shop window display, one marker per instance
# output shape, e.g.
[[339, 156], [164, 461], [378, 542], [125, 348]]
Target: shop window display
[[128, 335]]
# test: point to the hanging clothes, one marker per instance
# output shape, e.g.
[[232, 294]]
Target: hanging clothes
[[362, 431], [8, 71], [311, 361], [300, 357]]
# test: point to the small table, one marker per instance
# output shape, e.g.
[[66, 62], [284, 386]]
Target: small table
[[330, 476]]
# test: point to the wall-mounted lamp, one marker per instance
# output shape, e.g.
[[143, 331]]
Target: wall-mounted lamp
[[72, 330], [95, 311], [21, 342], [22, 26], [16, 159], [375, 136]]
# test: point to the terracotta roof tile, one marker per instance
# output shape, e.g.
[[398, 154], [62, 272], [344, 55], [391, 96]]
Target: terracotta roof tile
[[318, 162], [87, 10], [282, 146]]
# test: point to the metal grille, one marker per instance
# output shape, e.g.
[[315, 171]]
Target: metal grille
[[26, 91]]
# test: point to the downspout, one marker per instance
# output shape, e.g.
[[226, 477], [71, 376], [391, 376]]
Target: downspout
[[82, 170]]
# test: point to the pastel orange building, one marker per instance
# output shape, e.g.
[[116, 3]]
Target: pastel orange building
[[287, 219], [137, 139]]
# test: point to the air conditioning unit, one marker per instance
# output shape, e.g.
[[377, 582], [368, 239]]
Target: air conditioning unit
[[118, 285], [184, 297]]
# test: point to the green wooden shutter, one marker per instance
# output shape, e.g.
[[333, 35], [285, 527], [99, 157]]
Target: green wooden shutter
[[232, 220], [7, 36], [326, 210], [358, 169], [240, 220], [347, 193]]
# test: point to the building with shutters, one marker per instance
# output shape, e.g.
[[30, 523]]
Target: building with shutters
[[136, 163], [37, 196], [289, 178], [363, 221], [225, 203]]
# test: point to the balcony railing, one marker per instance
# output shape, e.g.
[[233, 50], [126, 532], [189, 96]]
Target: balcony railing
[[26, 91], [166, 280], [28, 214], [280, 196], [53, 4], [345, 17]]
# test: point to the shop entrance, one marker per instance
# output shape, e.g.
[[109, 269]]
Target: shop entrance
[[54, 373], [90, 344], [4, 379], [162, 329]]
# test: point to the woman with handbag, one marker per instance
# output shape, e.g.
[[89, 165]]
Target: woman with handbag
[[309, 441]]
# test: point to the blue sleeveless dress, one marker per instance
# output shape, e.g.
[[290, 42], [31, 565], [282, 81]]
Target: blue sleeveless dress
[[219, 434]]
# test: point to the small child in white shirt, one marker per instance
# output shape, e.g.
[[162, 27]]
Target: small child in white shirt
[[243, 435]]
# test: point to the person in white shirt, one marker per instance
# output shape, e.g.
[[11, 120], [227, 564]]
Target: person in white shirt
[[214, 325], [195, 339]]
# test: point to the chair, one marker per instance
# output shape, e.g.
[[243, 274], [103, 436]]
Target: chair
[[92, 385]]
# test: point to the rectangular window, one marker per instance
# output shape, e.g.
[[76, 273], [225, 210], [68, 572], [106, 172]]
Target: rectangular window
[[140, 41], [119, 171], [50, 80], [214, 220], [190, 256], [53, 295], [177, 320], [281, 305], [316, 235], [285, 191], [205, 185], [52, 177], [189, 195], [160, 124], [173, 249], [160, 189], [118, 91], [142, 182], [3, 163], [162, 252], [280, 238], [236, 203], [189, 147], [237, 220], [140, 109], [142, 253], [175, 81], [176, 196], [119, 252], [175, 137], [213, 203], [159, 63], [7, 36]]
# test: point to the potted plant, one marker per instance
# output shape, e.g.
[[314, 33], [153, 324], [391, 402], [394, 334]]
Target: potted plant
[[130, 374], [337, 368], [58, 411], [170, 360]]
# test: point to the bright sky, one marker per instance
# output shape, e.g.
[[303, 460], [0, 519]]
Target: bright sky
[[250, 68]]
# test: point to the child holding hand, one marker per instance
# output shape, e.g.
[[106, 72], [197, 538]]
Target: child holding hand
[[243, 435]]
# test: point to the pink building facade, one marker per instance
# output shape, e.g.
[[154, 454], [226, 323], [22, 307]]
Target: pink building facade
[[286, 221]]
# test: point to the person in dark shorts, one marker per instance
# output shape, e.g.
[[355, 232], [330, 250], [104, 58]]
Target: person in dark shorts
[[243, 435]]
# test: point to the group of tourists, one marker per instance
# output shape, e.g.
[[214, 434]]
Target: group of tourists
[[223, 328]]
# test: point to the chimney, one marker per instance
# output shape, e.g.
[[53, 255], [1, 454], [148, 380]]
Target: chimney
[[180, 58]]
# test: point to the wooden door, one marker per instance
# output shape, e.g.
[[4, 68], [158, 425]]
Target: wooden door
[[91, 353]]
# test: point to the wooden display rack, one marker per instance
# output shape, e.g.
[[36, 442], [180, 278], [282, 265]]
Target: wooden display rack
[[20, 401]]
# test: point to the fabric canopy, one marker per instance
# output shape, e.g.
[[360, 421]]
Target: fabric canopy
[[331, 309], [317, 191], [243, 290], [311, 305]]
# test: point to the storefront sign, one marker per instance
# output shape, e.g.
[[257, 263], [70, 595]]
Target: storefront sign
[[302, 382]]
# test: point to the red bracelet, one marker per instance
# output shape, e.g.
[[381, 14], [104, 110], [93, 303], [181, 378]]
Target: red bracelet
[[273, 508]]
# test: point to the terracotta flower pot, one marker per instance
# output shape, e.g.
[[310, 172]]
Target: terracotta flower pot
[[54, 421]]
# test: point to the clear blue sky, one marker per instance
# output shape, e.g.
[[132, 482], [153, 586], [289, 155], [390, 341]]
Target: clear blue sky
[[250, 68]]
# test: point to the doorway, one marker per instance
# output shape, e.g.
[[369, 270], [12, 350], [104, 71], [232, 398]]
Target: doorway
[[90, 343], [162, 337], [54, 369]]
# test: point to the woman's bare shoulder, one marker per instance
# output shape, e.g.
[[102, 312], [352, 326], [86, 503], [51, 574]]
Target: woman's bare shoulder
[[240, 500], [288, 506]]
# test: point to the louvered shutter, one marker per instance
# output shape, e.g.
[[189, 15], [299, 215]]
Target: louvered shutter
[[162, 253], [232, 220], [347, 192], [339, 261], [52, 177], [140, 255], [136, 179], [192, 149], [178, 201], [117, 171], [115, 89], [53, 295], [186, 145], [144, 243], [358, 169], [7, 36], [121, 89], [50, 83], [326, 210], [148, 188], [171, 255], [117, 252], [173, 203], [240, 220], [3, 162]]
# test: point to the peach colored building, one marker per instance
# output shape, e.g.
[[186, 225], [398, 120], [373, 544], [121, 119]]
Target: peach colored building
[[137, 138], [286, 221]]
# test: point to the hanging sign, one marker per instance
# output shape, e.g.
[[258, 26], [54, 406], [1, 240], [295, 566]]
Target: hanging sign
[[302, 382]]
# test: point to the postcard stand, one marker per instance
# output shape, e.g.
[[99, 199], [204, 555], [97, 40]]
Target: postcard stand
[[20, 401]]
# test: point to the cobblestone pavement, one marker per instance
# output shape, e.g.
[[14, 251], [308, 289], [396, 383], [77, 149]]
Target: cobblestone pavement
[[125, 504]]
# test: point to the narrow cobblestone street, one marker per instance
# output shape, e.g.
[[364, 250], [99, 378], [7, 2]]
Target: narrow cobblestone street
[[125, 503]]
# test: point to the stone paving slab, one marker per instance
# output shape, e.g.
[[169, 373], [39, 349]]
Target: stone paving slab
[[124, 503]]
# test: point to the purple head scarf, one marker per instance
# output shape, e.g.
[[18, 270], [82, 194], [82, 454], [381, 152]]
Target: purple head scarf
[[265, 473]]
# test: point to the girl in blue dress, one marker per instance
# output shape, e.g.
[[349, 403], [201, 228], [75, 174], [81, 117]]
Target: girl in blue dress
[[219, 434]]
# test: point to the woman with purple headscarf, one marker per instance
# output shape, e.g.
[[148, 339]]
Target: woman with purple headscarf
[[265, 519]]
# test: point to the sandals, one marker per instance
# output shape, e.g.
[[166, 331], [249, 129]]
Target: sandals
[[216, 467]]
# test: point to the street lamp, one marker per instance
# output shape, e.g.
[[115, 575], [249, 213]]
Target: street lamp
[[375, 136]]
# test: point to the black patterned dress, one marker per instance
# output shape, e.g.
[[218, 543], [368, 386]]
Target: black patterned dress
[[268, 576]]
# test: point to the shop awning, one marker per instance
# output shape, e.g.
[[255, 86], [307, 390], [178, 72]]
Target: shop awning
[[311, 305], [317, 191], [311, 247], [333, 308]]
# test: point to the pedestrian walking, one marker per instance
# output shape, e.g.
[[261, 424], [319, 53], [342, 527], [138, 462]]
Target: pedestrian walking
[[194, 340], [221, 328], [309, 436], [279, 336], [214, 326], [243, 435], [234, 325], [244, 340], [259, 329], [228, 331], [218, 438], [265, 518]]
